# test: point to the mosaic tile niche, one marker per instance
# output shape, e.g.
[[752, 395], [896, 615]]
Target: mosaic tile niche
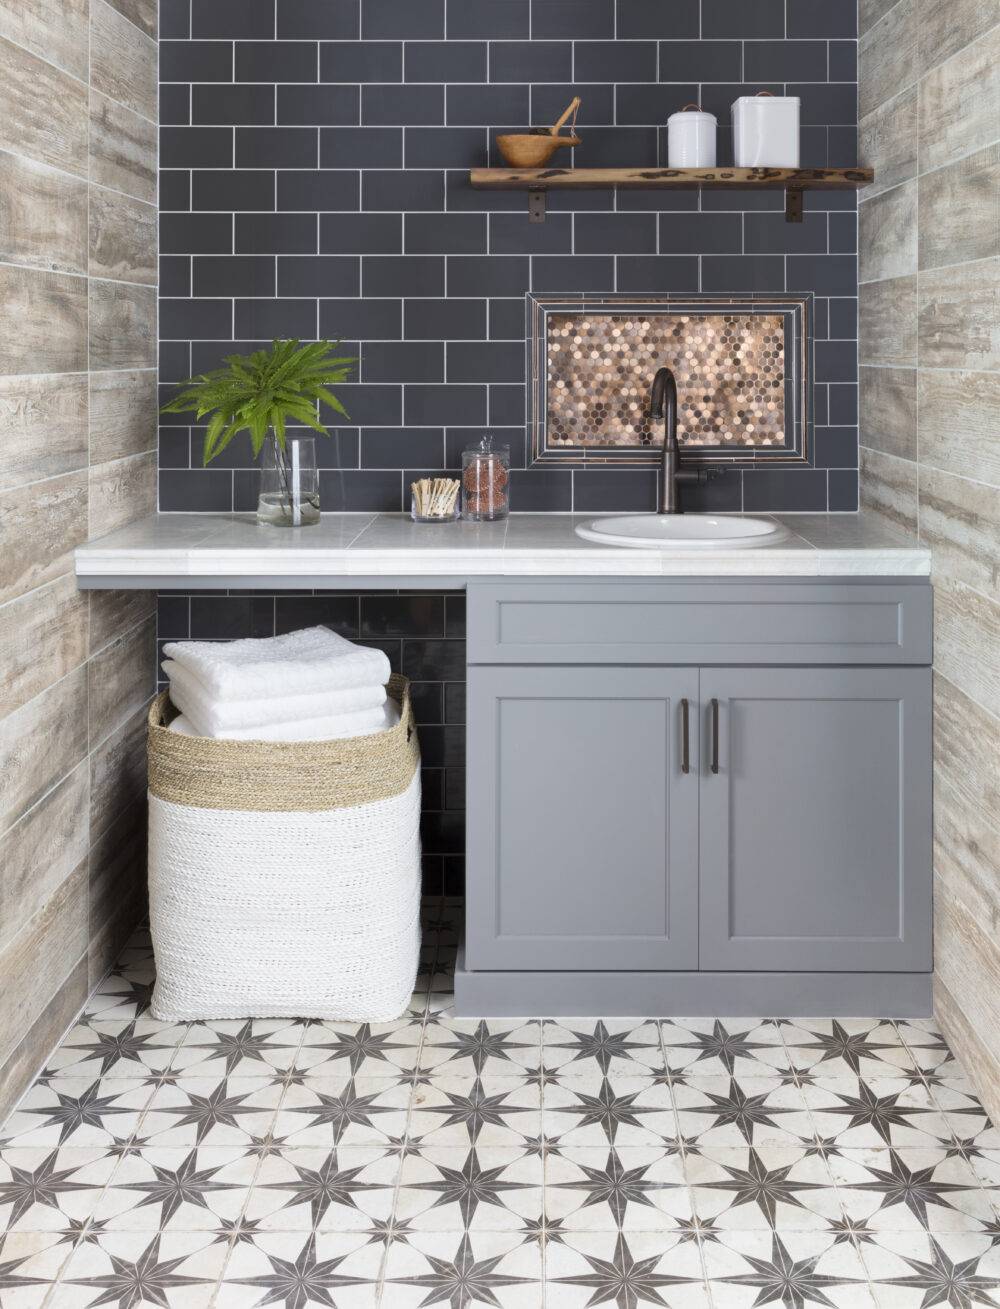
[[740, 369]]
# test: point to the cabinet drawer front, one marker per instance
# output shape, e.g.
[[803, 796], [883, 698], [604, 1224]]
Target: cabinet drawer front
[[699, 622]]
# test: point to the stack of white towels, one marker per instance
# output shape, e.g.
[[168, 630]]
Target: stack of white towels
[[311, 685]]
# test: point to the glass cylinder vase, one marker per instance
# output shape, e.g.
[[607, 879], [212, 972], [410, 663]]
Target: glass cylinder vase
[[289, 483]]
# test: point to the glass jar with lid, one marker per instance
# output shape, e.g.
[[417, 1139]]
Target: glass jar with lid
[[486, 481]]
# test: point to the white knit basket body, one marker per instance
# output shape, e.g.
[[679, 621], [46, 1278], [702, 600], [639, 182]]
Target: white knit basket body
[[258, 914]]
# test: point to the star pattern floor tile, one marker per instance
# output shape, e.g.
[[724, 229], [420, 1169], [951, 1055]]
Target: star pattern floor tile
[[719, 1163]]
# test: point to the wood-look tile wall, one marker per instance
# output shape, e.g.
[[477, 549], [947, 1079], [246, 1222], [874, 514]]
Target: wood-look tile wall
[[77, 457], [930, 437]]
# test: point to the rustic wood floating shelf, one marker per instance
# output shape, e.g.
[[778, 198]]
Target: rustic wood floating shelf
[[793, 181]]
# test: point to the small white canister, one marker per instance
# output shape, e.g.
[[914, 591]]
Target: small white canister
[[766, 131], [691, 137]]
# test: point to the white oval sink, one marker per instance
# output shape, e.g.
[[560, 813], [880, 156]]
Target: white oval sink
[[691, 531]]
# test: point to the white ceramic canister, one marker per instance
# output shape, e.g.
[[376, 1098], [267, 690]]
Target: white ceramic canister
[[766, 131], [691, 136]]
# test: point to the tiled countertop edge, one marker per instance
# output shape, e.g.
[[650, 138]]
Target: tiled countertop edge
[[186, 546]]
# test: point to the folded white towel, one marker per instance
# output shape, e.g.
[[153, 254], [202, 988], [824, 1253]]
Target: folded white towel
[[319, 729], [314, 659], [208, 715]]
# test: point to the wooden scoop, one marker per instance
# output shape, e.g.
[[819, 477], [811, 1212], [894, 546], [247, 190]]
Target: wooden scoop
[[536, 149]]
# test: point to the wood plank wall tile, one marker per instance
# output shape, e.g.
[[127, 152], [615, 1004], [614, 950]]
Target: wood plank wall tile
[[123, 408], [143, 13], [888, 410], [117, 887], [122, 325], [118, 773], [121, 491], [43, 636], [43, 427], [947, 26], [966, 640], [35, 1046], [77, 292], [43, 111], [56, 30], [40, 743], [959, 323], [888, 54], [122, 237], [40, 526], [887, 234], [960, 210], [41, 850], [960, 104], [960, 521], [979, 1060], [967, 853], [122, 679], [870, 12], [934, 465], [970, 966], [34, 965], [887, 326], [889, 488], [115, 612], [958, 417], [887, 142], [43, 218], [43, 321], [122, 148], [122, 60]]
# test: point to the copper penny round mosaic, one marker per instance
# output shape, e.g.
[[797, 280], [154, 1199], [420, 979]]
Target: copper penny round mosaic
[[730, 371]]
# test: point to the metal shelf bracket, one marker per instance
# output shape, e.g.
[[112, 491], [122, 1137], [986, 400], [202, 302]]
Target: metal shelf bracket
[[536, 206]]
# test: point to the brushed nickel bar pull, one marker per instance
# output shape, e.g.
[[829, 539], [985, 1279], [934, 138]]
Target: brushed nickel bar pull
[[715, 736], [685, 738]]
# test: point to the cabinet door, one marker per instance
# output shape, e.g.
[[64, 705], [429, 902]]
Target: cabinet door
[[815, 846], [582, 823]]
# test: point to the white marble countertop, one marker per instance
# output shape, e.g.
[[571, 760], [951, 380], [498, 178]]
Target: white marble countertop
[[211, 550]]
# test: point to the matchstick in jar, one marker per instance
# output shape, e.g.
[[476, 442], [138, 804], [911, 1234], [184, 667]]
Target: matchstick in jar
[[434, 500]]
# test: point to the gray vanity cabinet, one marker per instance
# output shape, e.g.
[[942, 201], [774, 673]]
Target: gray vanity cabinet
[[583, 824], [815, 834], [698, 796]]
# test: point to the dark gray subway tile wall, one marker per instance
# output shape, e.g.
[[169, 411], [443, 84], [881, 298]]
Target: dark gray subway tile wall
[[424, 636], [315, 157]]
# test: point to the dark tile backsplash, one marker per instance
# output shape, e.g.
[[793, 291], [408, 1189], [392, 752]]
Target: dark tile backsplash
[[424, 637], [315, 157]]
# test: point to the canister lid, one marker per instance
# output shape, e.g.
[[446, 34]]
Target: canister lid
[[691, 112], [767, 98]]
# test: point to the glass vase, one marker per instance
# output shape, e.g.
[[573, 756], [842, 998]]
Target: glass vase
[[289, 483]]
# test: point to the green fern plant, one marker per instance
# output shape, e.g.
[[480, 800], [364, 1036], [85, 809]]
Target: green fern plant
[[262, 392]]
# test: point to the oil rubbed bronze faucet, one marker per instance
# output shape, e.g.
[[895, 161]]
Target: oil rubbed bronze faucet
[[663, 404]]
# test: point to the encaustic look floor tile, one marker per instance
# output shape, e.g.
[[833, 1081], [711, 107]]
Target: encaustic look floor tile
[[713, 1163]]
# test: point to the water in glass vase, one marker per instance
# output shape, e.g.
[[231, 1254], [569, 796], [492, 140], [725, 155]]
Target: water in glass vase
[[289, 483]]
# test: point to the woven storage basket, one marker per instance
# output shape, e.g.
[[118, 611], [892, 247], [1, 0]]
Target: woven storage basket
[[284, 878]]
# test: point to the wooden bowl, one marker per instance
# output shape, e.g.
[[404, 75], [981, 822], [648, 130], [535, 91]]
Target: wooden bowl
[[531, 151]]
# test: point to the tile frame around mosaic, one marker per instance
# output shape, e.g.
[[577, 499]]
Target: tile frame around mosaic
[[797, 312]]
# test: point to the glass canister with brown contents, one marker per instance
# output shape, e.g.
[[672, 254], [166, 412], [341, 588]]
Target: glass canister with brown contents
[[486, 481]]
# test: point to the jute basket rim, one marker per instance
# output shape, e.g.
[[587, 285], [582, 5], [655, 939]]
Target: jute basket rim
[[282, 776]]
